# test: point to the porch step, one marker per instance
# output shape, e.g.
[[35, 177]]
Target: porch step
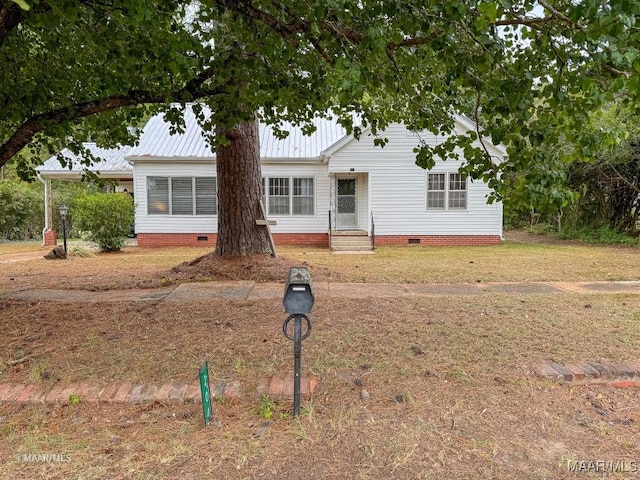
[[350, 243], [350, 233]]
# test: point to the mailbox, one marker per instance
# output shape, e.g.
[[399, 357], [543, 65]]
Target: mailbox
[[298, 296]]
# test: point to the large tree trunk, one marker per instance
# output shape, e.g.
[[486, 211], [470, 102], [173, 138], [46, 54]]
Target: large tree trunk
[[239, 193]]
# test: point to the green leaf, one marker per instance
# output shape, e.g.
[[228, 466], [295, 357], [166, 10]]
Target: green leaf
[[22, 4]]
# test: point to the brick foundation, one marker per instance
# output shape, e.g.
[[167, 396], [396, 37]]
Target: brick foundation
[[303, 239], [438, 240], [316, 240], [176, 239], [209, 239], [50, 238]]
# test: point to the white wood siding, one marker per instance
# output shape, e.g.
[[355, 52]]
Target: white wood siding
[[319, 221], [389, 185], [397, 189], [145, 223]]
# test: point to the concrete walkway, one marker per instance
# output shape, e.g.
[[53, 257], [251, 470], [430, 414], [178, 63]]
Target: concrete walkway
[[618, 375], [248, 290]]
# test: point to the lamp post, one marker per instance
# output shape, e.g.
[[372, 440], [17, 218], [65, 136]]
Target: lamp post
[[63, 210]]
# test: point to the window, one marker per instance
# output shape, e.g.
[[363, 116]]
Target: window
[[206, 196], [157, 195], [288, 196], [446, 191], [303, 198], [181, 196], [457, 191], [435, 191], [278, 196]]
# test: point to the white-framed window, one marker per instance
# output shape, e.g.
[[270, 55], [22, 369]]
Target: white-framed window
[[446, 191], [206, 196], [457, 192], [289, 195], [158, 195], [182, 196], [303, 196], [278, 196]]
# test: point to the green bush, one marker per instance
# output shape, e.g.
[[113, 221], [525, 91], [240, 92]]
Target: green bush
[[602, 235], [106, 216], [21, 210]]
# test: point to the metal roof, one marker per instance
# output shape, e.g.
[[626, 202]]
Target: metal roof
[[111, 160], [156, 140]]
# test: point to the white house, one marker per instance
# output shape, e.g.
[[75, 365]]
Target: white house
[[322, 189]]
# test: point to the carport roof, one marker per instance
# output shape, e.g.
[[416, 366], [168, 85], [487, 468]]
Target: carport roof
[[112, 163]]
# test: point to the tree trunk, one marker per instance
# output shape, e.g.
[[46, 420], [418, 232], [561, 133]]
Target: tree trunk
[[239, 193]]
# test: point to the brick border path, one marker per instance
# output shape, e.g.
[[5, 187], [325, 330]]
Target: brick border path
[[623, 375], [172, 392]]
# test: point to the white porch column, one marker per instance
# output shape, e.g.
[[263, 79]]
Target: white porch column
[[48, 234]]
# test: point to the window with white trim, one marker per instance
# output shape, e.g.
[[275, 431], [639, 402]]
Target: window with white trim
[[303, 196], [157, 195], [206, 196], [278, 196], [182, 196], [289, 195], [446, 191]]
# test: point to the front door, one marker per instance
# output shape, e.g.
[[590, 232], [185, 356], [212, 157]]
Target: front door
[[347, 217]]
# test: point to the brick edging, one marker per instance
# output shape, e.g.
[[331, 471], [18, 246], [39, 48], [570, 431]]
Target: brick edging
[[623, 375], [172, 392]]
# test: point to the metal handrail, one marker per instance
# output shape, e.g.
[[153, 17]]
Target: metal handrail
[[329, 229], [373, 233]]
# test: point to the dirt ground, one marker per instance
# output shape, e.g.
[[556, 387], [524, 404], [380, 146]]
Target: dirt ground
[[424, 387]]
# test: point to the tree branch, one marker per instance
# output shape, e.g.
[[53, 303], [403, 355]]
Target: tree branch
[[36, 124], [557, 14]]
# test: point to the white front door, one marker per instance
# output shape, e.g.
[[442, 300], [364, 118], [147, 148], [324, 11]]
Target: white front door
[[347, 216]]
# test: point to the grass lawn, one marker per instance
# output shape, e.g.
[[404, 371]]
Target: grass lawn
[[449, 382]]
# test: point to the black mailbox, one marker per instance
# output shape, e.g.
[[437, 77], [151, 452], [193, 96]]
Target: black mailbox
[[298, 296]]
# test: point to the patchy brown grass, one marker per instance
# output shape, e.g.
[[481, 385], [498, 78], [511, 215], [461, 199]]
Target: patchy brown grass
[[151, 268], [451, 390]]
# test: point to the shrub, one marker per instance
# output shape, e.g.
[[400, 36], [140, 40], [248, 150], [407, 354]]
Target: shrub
[[21, 210], [106, 216], [602, 235]]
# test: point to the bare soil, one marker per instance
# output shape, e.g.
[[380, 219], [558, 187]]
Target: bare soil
[[424, 387], [258, 268]]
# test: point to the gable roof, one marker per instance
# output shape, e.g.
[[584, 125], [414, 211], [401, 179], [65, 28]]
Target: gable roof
[[156, 142], [460, 121]]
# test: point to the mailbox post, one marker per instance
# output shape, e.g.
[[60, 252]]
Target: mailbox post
[[298, 301]]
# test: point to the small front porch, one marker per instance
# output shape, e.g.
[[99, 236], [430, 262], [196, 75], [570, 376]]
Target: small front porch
[[350, 219], [351, 241]]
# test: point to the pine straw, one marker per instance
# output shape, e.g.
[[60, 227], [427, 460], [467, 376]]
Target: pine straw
[[257, 268]]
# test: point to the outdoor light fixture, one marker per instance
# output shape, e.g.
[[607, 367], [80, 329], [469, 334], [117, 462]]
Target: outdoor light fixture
[[63, 210]]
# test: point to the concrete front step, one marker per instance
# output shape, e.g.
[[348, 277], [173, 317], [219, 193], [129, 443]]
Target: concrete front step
[[341, 247], [348, 248], [350, 243]]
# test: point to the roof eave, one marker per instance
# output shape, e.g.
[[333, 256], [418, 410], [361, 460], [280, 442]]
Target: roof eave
[[77, 174]]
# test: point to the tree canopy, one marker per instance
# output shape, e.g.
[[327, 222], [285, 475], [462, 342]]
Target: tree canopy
[[528, 73]]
